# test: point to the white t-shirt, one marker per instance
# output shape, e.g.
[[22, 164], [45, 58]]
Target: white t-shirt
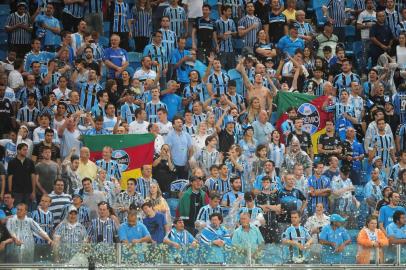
[[401, 56], [164, 128], [366, 17], [194, 8], [15, 79], [62, 95], [138, 128]]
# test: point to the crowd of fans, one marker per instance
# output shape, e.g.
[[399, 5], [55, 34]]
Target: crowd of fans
[[206, 89]]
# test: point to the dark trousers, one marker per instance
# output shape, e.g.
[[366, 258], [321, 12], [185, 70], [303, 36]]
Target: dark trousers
[[123, 40], [181, 172], [227, 60], [140, 43], [24, 198], [70, 23]]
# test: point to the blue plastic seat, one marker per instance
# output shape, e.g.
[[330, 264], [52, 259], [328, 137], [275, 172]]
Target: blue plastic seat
[[133, 57], [5, 10], [234, 74], [3, 37]]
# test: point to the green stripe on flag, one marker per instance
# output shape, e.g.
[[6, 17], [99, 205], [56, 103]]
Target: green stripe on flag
[[284, 100], [96, 143]]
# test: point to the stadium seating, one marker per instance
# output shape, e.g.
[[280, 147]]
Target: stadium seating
[[104, 41]]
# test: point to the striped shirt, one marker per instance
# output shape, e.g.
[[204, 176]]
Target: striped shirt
[[336, 11], [230, 197], [392, 20], [94, 6], [197, 119], [401, 132], [177, 17], [125, 200], [76, 10], [25, 114], [83, 214], [318, 183], [111, 167], [19, 35], [358, 104], [71, 234], [88, 93], [222, 26], [57, 205], [394, 172], [45, 221], [157, 53], [206, 159], [102, 231], [169, 41], [221, 186], [341, 108], [127, 112], [383, 144], [183, 238], [52, 84], [342, 80], [143, 186], [399, 103], [200, 91], [254, 212], [151, 108], [237, 100], [232, 170], [297, 234], [219, 82], [142, 22], [72, 108], [401, 27], [304, 29], [276, 154], [10, 149], [234, 4], [205, 212], [22, 95], [251, 37], [98, 110], [189, 129], [121, 15]]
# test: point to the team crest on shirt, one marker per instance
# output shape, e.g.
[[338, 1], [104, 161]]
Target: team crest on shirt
[[122, 159], [311, 117]]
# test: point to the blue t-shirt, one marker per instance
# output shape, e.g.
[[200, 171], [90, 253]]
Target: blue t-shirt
[[337, 236], [183, 70], [173, 103], [129, 233], [286, 44], [117, 56], [50, 38], [386, 214], [394, 231], [156, 227]]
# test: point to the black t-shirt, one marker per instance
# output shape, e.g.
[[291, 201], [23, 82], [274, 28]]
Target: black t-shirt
[[277, 24], [289, 200], [204, 32], [225, 141], [269, 199], [37, 151], [6, 111], [328, 143], [304, 139], [262, 11], [21, 172], [93, 65]]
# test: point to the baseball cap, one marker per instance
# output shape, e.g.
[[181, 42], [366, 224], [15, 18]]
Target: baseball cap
[[337, 218]]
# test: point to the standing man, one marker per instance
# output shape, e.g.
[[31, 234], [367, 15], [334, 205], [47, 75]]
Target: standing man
[[177, 17], [303, 137], [103, 229], [328, 144], [50, 28], [121, 22], [115, 58], [113, 170], [180, 144], [247, 236], [72, 14], [155, 223], [334, 238], [249, 25], [47, 171], [226, 30], [203, 35], [59, 200], [319, 188], [21, 176], [275, 24], [381, 38], [19, 27]]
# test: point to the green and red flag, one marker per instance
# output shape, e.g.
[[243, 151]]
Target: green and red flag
[[131, 151], [309, 108]]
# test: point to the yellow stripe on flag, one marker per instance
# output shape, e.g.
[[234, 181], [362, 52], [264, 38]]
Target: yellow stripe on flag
[[315, 138], [129, 174]]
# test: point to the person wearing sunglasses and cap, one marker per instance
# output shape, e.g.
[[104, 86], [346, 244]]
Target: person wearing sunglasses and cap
[[334, 238]]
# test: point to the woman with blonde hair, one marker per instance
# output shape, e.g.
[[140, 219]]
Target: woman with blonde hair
[[158, 202], [254, 107], [211, 123], [371, 241]]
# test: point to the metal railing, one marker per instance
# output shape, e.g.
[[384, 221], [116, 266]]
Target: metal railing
[[149, 256]]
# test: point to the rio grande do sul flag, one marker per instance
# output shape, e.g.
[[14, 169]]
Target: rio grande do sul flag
[[309, 108], [131, 151]]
